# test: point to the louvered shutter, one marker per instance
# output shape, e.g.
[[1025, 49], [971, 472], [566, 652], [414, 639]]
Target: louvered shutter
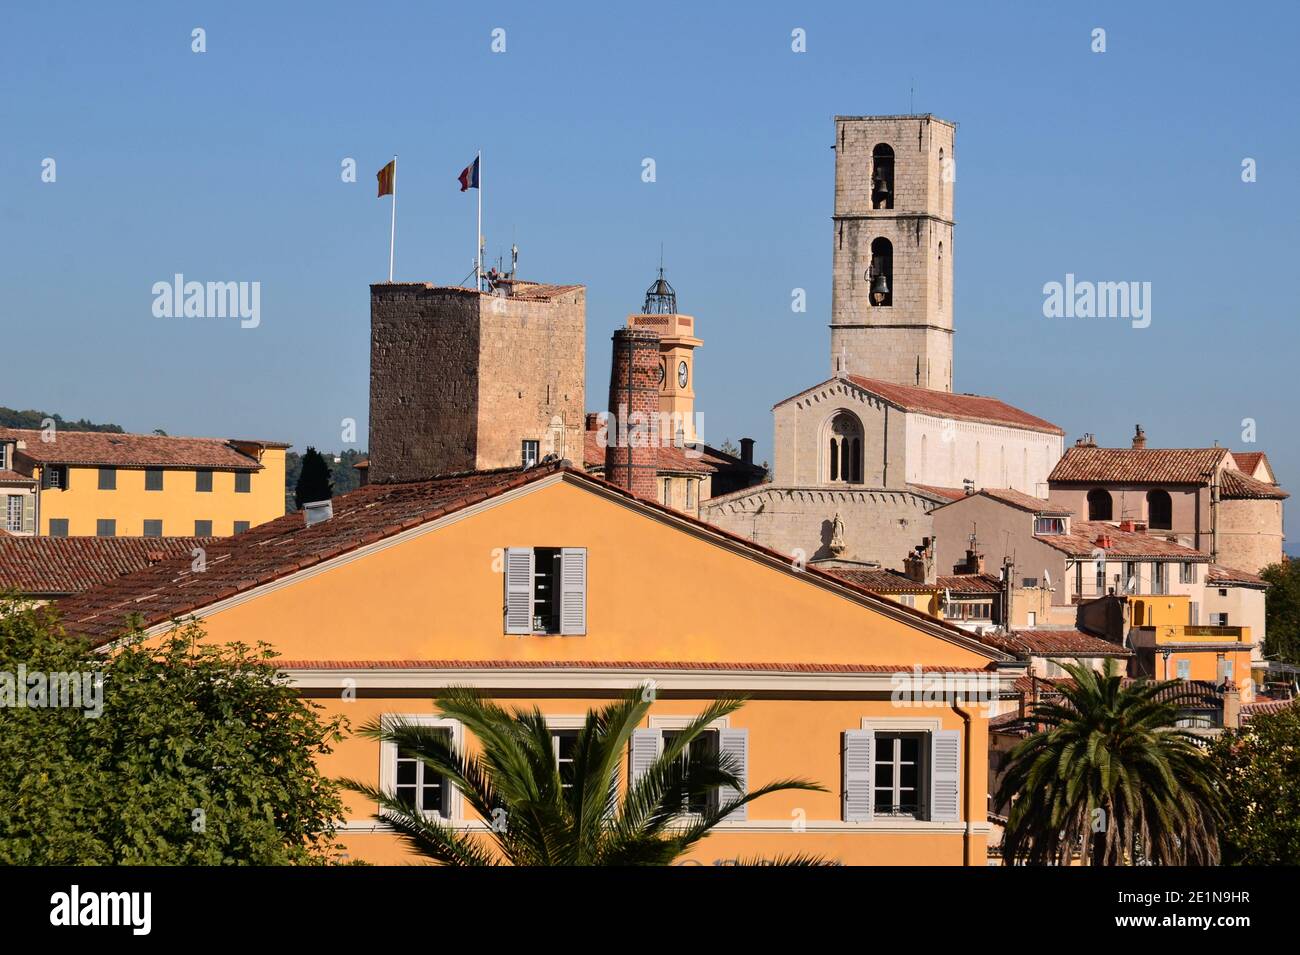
[[735, 743], [945, 773], [573, 590], [519, 590], [858, 747], [645, 750], [29, 513]]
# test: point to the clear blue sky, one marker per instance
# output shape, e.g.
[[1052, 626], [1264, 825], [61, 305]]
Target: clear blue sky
[[226, 166]]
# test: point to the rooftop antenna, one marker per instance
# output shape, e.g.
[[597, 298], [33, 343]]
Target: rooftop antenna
[[911, 95]]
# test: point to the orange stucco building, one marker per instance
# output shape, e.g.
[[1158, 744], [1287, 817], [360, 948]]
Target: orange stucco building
[[550, 587]]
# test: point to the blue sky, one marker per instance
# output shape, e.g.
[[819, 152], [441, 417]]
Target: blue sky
[[225, 165]]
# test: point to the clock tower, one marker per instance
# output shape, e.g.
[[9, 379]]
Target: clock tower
[[677, 344]]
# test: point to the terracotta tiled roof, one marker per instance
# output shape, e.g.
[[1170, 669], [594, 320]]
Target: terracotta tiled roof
[[1233, 485], [1055, 643], [1247, 461], [947, 405], [668, 458], [13, 477], [950, 493], [1082, 541], [1137, 465], [970, 583], [880, 580], [45, 566], [1264, 708], [169, 590], [635, 665], [106, 449], [1024, 502], [1221, 575]]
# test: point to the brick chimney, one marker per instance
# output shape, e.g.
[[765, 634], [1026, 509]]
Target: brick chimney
[[1139, 438], [747, 450], [631, 451]]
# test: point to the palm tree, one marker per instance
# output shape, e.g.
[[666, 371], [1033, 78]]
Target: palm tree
[[537, 815], [1111, 778]]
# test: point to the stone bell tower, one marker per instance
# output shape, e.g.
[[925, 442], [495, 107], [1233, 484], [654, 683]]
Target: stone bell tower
[[676, 370], [891, 292]]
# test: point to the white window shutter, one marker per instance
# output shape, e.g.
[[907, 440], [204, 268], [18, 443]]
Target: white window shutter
[[858, 747], [945, 775], [519, 590], [573, 590], [735, 743], [645, 750], [29, 513]]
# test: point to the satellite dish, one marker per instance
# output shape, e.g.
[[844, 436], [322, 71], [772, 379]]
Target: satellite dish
[[1131, 587], [1047, 578]]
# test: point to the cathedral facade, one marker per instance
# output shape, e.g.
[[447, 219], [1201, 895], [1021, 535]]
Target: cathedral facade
[[862, 458]]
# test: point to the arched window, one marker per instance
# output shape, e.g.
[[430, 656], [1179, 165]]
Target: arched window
[[882, 177], [1160, 510], [1099, 506], [844, 458], [881, 275]]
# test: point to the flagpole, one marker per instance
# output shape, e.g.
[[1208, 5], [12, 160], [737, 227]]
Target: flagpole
[[392, 233], [478, 239]]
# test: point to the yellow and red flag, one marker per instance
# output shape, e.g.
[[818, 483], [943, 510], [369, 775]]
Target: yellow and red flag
[[386, 177]]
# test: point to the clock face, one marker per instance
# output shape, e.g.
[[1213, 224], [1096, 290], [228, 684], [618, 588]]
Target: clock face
[[663, 372], [681, 374]]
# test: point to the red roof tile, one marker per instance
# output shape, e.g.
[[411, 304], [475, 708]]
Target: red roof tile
[[668, 458], [1247, 461], [107, 449], [1055, 643], [880, 580], [13, 477], [1082, 541], [948, 405], [1233, 485], [1022, 501], [1231, 576], [1264, 708], [1137, 465], [45, 566], [950, 493], [970, 583]]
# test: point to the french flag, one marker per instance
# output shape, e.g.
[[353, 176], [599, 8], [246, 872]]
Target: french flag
[[469, 176]]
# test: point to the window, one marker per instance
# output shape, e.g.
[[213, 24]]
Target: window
[[1132, 583], [1224, 668], [108, 479], [901, 769], [546, 590], [563, 743], [1078, 577], [1029, 583], [410, 780], [703, 747], [419, 786], [241, 526], [881, 273], [1184, 669], [1218, 620], [844, 460], [1049, 525], [531, 450], [202, 528], [1101, 576], [203, 480], [6, 459], [152, 528], [1193, 613], [690, 494], [1160, 510], [106, 527], [58, 527], [153, 479], [1159, 577], [1033, 619], [1099, 505], [667, 498], [14, 514], [54, 477], [1187, 572], [882, 177], [243, 482]]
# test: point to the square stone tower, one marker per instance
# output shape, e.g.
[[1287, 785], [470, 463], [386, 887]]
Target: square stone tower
[[891, 292], [463, 380]]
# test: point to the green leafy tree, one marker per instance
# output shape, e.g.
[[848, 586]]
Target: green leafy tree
[[538, 815], [200, 756], [314, 481], [1261, 764], [1282, 612], [1110, 778], [35, 420]]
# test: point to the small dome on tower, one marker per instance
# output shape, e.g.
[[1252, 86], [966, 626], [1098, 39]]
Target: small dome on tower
[[660, 298]]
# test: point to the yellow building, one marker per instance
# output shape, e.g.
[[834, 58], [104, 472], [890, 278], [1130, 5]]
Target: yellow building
[[1169, 648], [83, 483], [550, 587]]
